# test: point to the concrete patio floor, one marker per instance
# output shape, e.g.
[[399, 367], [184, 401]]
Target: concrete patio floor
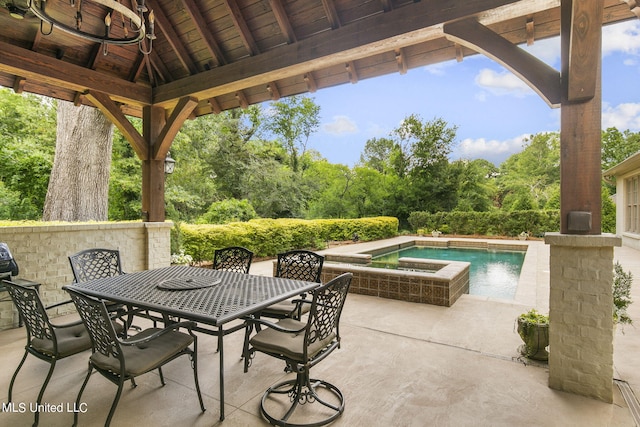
[[401, 364]]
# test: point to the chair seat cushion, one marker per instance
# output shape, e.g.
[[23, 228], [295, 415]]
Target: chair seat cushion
[[289, 345], [71, 340], [145, 357], [284, 309]]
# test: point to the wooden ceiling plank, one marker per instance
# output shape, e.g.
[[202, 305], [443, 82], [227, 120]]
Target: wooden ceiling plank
[[178, 116], [241, 25], [54, 72], [109, 108], [163, 23], [201, 26], [583, 63], [412, 24], [332, 14], [539, 76], [283, 21]]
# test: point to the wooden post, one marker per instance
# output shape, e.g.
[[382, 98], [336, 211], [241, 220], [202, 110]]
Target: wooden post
[[153, 209], [581, 118]]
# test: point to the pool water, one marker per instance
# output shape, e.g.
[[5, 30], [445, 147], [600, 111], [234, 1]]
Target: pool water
[[492, 273]]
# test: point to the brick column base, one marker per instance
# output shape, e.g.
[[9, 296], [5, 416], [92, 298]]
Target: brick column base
[[581, 314]]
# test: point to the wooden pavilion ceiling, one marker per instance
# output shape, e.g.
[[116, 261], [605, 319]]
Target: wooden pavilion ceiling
[[230, 53]]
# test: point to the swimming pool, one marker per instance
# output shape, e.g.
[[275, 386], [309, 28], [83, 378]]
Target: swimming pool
[[492, 273]]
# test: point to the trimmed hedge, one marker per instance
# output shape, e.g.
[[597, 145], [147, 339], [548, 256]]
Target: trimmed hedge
[[268, 237], [497, 223]]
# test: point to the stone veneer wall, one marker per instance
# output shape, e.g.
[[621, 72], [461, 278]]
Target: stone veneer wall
[[581, 314], [41, 253]]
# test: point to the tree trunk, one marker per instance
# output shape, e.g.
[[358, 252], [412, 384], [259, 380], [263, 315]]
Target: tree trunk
[[79, 183]]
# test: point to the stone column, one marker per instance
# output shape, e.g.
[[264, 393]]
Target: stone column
[[581, 314]]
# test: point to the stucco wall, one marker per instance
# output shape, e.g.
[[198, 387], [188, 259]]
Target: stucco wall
[[41, 253]]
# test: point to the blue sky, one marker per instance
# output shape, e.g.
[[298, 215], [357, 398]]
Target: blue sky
[[493, 110]]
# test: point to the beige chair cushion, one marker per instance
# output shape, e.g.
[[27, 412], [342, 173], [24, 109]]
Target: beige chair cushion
[[284, 308], [71, 340], [145, 357], [290, 345]]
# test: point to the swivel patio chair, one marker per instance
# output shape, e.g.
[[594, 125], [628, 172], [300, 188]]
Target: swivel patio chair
[[233, 258], [302, 345], [121, 360], [298, 265], [45, 340]]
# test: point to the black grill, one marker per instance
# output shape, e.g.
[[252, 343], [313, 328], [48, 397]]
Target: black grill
[[8, 265]]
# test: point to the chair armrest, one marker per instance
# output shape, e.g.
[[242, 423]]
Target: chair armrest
[[253, 320], [63, 325], [173, 326]]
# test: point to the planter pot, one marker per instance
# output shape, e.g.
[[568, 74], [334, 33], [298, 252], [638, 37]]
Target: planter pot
[[436, 233], [536, 339]]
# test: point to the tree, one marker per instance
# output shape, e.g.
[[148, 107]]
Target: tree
[[294, 119], [79, 184]]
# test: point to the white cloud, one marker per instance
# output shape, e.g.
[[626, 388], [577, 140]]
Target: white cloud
[[483, 148], [547, 50], [340, 125], [623, 37], [622, 116], [504, 83], [439, 68]]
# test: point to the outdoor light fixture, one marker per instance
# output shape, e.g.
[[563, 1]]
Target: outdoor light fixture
[[135, 25], [169, 164]]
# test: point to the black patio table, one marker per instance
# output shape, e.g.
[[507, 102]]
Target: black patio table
[[210, 297]]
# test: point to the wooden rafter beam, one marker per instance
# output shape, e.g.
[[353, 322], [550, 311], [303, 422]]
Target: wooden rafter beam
[[201, 26], [581, 82], [332, 13], [165, 26], [18, 84], [180, 113], [283, 21], [352, 72], [401, 61], [50, 71], [634, 5], [459, 53], [215, 106], [311, 82], [409, 25], [273, 90], [242, 99], [241, 25], [109, 108], [530, 27], [539, 76]]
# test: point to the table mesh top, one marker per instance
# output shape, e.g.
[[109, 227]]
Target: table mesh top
[[218, 297]]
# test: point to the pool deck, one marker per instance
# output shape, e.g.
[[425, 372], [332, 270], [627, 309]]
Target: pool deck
[[401, 364]]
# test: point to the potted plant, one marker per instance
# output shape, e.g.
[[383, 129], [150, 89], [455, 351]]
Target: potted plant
[[436, 233], [533, 328]]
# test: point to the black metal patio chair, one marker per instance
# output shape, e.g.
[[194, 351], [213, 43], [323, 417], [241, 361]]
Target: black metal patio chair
[[121, 360], [99, 263], [298, 265], [233, 258], [45, 340], [302, 345]]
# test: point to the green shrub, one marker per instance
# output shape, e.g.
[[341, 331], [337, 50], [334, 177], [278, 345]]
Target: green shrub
[[495, 223], [226, 211], [268, 237]]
